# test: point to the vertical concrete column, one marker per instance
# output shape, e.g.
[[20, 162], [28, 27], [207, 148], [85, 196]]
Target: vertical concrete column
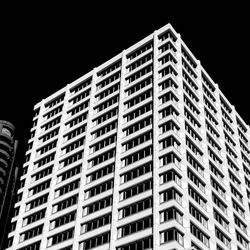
[[225, 167], [206, 179], [54, 172], [86, 153], [156, 182], [181, 119], [113, 231], [30, 166]]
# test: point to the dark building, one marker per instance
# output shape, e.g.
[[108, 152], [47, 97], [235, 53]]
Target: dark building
[[8, 176]]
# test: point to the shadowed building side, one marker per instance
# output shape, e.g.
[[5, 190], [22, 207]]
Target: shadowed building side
[[8, 175]]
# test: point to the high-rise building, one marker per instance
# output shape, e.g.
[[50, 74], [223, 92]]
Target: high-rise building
[[8, 176], [143, 152]]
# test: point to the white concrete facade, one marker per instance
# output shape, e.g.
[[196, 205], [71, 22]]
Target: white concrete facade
[[143, 152]]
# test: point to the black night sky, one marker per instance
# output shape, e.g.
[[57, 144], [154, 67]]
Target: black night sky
[[43, 48]]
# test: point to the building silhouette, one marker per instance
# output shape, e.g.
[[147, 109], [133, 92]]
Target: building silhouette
[[143, 152], [8, 176]]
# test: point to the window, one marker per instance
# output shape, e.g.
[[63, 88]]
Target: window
[[238, 208], [81, 85], [39, 188], [33, 246], [107, 92], [171, 213], [169, 141], [170, 194], [136, 172], [139, 62], [172, 234], [137, 156], [236, 193], [196, 180], [189, 80], [208, 93], [138, 126], [139, 73], [140, 50], [60, 237], [80, 97], [77, 120], [65, 203], [240, 224], [191, 106], [214, 156], [71, 159], [55, 101], [194, 148], [31, 233], [78, 108], [222, 237], [103, 143], [240, 238], [47, 147], [219, 203], [67, 188], [95, 241], [195, 164], [100, 188], [49, 135], [100, 173], [218, 187], [136, 189], [34, 217], [102, 131], [235, 179], [44, 160], [96, 223], [170, 175], [74, 145], [69, 173], [199, 234], [75, 132], [135, 226], [169, 110], [108, 80], [216, 171], [136, 207], [51, 124], [45, 172], [53, 112], [67, 218], [188, 57], [106, 104], [170, 158], [140, 85], [138, 112], [108, 115], [98, 205], [142, 244], [102, 158], [137, 140], [109, 69], [221, 219], [197, 197], [169, 125], [37, 202], [192, 118], [198, 215], [241, 126], [139, 98]]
